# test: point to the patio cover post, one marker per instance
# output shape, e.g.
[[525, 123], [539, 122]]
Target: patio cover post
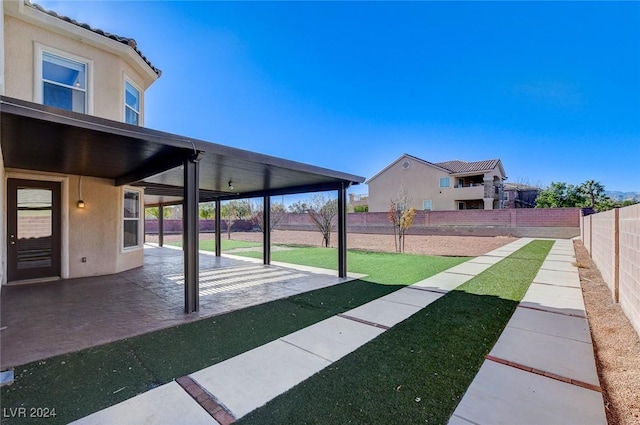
[[218, 220], [190, 234], [266, 230], [342, 230], [160, 225]]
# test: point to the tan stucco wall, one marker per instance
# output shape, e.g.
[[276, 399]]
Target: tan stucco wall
[[422, 182], [106, 78], [94, 232]]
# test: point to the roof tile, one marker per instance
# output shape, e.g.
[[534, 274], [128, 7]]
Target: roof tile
[[124, 40]]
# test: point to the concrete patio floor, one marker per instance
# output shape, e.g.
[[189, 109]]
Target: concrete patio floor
[[47, 319]]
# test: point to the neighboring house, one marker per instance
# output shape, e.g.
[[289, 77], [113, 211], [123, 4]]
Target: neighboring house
[[77, 167], [358, 202], [518, 195], [443, 186]]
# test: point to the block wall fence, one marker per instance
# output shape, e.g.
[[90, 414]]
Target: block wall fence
[[534, 222], [612, 238]]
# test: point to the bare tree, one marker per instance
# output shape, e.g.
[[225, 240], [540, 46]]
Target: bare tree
[[401, 216], [322, 212], [278, 213]]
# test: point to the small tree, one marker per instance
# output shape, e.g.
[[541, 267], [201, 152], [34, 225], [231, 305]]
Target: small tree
[[299, 207], [401, 217], [154, 212], [322, 212], [275, 218], [207, 210], [235, 210]]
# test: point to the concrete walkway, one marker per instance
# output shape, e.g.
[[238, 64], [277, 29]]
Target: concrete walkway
[[229, 390], [542, 369]]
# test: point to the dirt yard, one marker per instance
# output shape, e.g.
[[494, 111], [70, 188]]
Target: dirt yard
[[615, 342], [471, 246]]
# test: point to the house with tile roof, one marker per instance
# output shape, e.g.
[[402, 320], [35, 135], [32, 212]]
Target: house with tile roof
[[442, 186], [78, 166]]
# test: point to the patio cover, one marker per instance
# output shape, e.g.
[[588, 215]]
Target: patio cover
[[172, 168]]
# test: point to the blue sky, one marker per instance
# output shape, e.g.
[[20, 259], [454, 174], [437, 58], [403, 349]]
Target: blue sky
[[551, 88]]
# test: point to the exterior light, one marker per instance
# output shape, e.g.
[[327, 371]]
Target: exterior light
[[80, 203], [230, 185]]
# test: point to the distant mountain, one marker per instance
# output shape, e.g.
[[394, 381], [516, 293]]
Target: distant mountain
[[622, 196]]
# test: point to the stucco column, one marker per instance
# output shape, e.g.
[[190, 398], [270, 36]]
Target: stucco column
[[488, 193]]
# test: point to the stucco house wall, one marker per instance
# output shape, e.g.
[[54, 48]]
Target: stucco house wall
[[106, 75], [421, 180], [94, 233]]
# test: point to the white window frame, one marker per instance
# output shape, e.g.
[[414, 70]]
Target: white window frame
[[448, 182], [424, 204], [38, 91], [126, 80], [139, 219]]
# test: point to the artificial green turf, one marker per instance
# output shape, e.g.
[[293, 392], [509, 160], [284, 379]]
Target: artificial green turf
[[416, 372], [80, 383], [380, 267]]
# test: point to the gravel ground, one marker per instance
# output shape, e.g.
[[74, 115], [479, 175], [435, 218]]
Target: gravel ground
[[615, 342]]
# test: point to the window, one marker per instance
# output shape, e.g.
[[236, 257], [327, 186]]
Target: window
[[444, 181], [131, 219], [64, 83], [426, 205], [131, 104]]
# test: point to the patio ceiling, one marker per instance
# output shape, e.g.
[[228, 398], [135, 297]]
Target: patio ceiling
[[42, 138]]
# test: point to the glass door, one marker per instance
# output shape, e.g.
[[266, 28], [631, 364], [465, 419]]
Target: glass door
[[33, 229]]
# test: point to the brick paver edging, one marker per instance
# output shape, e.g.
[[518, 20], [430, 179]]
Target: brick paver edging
[[543, 373], [206, 401]]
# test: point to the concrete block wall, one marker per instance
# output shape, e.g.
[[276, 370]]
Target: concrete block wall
[[629, 226], [613, 241], [558, 223], [603, 247]]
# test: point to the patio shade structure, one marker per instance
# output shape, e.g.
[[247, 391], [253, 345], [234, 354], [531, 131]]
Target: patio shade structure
[[172, 169]]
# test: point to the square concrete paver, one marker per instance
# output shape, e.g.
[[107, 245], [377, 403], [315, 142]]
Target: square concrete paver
[[504, 395], [561, 356], [561, 257], [333, 338], [554, 291], [168, 404], [552, 302], [558, 278], [559, 266], [249, 380], [415, 297], [456, 420], [500, 252], [383, 312], [485, 259], [443, 281], [469, 268], [576, 328]]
